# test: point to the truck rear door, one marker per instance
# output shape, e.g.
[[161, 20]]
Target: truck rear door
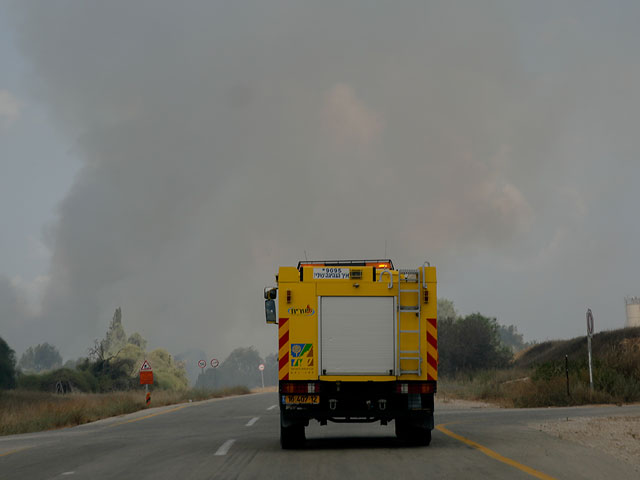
[[357, 335]]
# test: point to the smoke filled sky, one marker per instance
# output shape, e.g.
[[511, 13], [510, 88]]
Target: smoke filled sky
[[166, 158]]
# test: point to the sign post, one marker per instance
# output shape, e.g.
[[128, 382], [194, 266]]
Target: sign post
[[146, 379], [589, 335], [214, 363], [261, 368]]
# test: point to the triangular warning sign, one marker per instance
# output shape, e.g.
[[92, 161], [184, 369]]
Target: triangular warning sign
[[146, 367]]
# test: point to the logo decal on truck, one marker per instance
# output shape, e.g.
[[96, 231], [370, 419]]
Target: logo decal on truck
[[302, 355], [306, 311]]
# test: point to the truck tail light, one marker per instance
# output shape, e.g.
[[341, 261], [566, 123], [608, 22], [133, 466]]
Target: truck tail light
[[300, 387], [415, 387]]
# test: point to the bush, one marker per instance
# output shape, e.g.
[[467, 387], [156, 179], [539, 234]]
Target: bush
[[7, 366], [77, 380]]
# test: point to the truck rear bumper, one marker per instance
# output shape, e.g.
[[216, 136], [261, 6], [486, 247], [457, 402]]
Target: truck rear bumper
[[360, 402]]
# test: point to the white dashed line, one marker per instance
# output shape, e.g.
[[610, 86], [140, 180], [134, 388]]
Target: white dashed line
[[67, 473], [252, 421], [224, 448], [272, 407]]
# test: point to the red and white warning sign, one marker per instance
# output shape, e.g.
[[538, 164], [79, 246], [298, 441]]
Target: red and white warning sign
[[261, 367], [146, 374]]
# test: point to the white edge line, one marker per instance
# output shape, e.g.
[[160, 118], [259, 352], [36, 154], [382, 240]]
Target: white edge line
[[224, 448], [252, 421], [272, 407]]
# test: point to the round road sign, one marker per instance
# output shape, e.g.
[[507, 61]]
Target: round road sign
[[261, 367], [215, 362], [202, 363], [589, 322]]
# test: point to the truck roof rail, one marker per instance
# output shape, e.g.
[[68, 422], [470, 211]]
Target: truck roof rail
[[379, 263]]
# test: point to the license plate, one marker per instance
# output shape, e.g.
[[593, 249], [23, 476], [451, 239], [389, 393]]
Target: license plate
[[312, 399]]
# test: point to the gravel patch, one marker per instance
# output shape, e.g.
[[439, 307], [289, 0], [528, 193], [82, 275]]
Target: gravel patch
[[617, 436]]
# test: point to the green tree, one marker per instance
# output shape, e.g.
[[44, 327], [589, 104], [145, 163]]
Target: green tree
[[168, 374], [470, 343], [7, 366], [40, 358], [115, 339], [271, 369], [136, 339], [510, 337], [240, 368], [446, 310]]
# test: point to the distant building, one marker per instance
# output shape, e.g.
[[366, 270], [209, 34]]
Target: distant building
[[633, 311]]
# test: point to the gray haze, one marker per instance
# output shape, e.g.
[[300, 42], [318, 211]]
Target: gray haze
[[222, 139]]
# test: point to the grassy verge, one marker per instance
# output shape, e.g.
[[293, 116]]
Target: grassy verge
[[23, 411], [538, 376], [524, 389]]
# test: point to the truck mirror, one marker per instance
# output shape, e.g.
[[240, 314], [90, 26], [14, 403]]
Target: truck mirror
[[270, 293], [270, 311]]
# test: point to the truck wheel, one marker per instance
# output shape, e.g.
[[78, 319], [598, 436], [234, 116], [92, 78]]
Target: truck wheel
[[415, 435], [421, 436], [292, 437]]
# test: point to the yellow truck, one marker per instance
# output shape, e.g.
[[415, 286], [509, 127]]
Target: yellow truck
[[358, 342]]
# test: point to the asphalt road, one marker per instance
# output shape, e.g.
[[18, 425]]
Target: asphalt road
[[238, 438]]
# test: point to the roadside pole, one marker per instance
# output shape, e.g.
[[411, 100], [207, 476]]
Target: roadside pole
[[261, 368], [566, 371], [589, 335], [214, 364]]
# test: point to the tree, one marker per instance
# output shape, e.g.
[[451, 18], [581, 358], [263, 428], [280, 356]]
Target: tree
[[116, 339], [446, 310], [168, 374], [136, 339], [467, 344], [510, 337], [271, 369], [40, 358], [240, 368], [7, 366]]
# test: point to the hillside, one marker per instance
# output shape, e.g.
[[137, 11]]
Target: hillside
[[603, 344]]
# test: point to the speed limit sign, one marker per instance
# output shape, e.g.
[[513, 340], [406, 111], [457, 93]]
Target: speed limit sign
[[202, 363], [215, 362]]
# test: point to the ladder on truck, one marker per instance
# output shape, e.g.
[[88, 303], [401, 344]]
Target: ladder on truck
[[408, 325]]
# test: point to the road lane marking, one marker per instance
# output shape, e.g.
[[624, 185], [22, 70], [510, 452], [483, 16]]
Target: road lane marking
[[252, 421], [148, 416], [13, 451], [495, 455], [224, 448], [272, 407]]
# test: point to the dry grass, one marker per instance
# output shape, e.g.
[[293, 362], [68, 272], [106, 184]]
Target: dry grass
[[538, 378], [24, 411]]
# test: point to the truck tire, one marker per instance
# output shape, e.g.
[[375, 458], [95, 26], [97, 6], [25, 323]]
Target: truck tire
[[413, 434], [292, 437]]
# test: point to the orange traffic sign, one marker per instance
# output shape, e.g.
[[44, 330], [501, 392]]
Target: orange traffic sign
[[146, 377], [146, 367]]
